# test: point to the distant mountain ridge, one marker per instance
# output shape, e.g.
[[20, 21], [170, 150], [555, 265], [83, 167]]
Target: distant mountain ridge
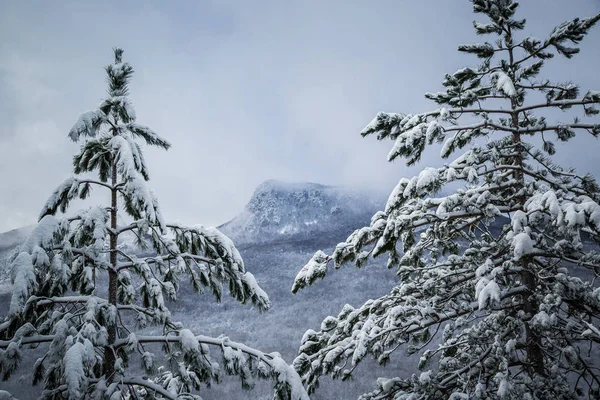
[[284, 211], [14, 237]]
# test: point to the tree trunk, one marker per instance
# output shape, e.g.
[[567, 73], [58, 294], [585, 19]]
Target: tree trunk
[[109, 352], [532, 339]]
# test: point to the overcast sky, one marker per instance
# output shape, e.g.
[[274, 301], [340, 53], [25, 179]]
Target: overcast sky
[[244, 90]]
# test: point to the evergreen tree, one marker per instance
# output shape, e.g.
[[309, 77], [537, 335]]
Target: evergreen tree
[[86, 298], [496, 284]]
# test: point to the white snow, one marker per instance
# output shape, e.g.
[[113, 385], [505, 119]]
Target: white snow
[[143, 198], [444, 113], [371, 125], [316, 267], [519, 221], [77, 358], [592, 211], [542, 320], [425, 377], [432, 129], [427, 177], [254, 289], [127, 156], [484, 268], [487, 290], [407, 139], [522, 245], [551, 203], [503, 388], [87, 124], [189, 343], [23, 280], [148, 134], [510, 345], [504, 83], [69, 188], [397, 195], [42, 234], [387, 384], [573, 215], [287, 374], [4, 395], [445, 151], [221, 240], [96, 219]]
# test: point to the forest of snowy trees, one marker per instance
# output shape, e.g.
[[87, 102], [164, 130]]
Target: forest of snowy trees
[[495, 252]]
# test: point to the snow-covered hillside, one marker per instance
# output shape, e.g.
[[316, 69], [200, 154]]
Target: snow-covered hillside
[[8, 241]]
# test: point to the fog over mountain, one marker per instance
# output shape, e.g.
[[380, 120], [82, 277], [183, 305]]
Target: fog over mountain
[[279, 211]]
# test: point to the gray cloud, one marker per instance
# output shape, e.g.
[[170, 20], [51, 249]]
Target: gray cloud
[[245, 91]]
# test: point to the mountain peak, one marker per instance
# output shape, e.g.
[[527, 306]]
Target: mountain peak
[[279, 210]]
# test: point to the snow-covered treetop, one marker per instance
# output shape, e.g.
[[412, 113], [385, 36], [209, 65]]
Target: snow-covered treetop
[[86, 300], [492, 264]]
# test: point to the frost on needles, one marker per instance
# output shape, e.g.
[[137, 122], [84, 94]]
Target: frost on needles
[[85, 301], [496, 280]]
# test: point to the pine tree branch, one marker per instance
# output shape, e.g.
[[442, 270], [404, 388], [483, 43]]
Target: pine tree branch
[[151, 386], [150, 260], [538, 177], [94, 182], [220, 342], [558, 103], [455, 374], [43, 301], [412, 327], [446, 316], [28, 340], [130, 227], [520, 131]]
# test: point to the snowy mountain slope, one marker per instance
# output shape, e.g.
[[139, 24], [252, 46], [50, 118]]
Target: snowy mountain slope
[[8, 241]]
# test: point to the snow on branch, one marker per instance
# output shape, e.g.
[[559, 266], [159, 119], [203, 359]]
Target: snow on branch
[[140, 201], [570, 31], [316, 268], [148, 135], [92, 224], [61, 197], [79, 358], [119, 105], [227, 264], [504, 83], [24, 282], [497, 263], [88, 124], [43, 234], [129, 158]]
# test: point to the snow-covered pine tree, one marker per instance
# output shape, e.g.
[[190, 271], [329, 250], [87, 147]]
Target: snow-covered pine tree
[[496, 284], [82, 296]]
